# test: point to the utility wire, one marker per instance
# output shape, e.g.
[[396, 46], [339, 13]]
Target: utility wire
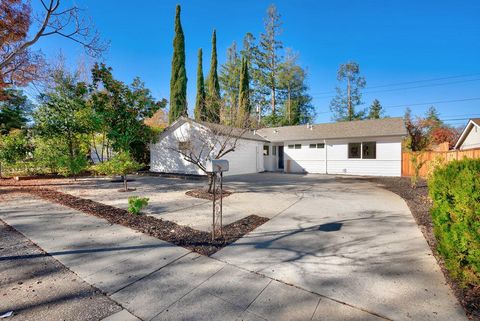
[[434, 102], [408, 88], [408, 82]]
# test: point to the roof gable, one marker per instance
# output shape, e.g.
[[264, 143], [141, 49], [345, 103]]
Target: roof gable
[[472, 122], [215, 128]]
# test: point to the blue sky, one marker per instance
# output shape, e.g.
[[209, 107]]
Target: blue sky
[[393, 41]]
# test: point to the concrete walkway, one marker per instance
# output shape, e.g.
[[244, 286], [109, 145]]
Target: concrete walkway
[[154, 280]]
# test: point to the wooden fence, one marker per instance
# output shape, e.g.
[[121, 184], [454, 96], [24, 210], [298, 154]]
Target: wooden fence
[[432, 157]]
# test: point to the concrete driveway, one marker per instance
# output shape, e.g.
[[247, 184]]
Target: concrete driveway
[[346, 239], [334, 249]]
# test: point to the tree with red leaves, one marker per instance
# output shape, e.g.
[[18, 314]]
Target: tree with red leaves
[[444, 134]]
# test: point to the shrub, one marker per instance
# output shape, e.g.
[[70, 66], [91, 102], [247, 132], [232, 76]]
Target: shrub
[[455, 192], [417, 163], [71, 166], [121, 164], [136, 204]]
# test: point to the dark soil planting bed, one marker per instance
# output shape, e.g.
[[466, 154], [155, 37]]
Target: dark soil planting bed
[[200, 193], [187, 237]]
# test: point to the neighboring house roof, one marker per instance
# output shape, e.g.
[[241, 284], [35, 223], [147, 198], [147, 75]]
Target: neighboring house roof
[[472, 122], [349, 129]]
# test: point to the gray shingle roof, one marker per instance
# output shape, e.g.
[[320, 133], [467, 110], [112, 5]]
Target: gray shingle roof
[[360, 128], [232, 131]]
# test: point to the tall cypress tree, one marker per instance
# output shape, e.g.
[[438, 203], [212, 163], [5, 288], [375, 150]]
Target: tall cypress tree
[[178, 80], [200, 112], [244, 106], [213, 86]]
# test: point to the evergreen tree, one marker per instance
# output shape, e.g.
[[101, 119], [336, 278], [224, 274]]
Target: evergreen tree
[[376, 110], [200, 109], [348, 98], [229, 82], [433, 116], [14, 109], [268, 58], [213, 86], [244, 106], [178, 80], [432, 120]]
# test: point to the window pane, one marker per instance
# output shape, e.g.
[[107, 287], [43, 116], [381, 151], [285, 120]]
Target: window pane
[[274, 150], [298, 146], [313, 145], [321, 145], [266, 150], [290, 146], [354, 150], [369, 150]]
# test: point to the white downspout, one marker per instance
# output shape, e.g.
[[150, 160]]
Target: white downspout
[[326, 166]]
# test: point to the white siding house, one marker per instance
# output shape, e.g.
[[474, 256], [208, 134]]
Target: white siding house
[[470, 137], [165, 158], [367, 147]]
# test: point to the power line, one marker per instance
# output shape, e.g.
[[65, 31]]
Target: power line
[[434, 102], [408, 82], [408, 88]]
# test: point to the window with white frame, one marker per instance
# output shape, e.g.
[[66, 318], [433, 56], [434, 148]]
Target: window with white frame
[[369, 150], [318, 145], [274, 150], [354, 150], [298, 146], [364, 150], [266, 150]]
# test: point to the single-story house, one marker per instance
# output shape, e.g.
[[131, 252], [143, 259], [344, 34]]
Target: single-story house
[[199, 139], [470, 137], [364, 147]]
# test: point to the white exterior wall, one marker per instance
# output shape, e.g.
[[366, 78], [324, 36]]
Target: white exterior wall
[[472, 140], [247, 158], [388, 160], [306, 159], [271, 161]]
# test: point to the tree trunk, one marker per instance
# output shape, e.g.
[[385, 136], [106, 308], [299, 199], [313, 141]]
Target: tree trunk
[[273, 101], [209, 186], [349, 101], [125, 183]]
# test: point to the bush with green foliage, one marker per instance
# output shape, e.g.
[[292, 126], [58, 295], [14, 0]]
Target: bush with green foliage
[[136, 204], [14, 149], [121, 164], [68, 166], [455, 192]]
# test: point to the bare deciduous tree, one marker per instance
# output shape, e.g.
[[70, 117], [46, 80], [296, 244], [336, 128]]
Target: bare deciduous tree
[[210, 141], [19, 65]]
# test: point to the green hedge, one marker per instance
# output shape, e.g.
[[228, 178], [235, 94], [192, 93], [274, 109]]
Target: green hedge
[[455, 192]]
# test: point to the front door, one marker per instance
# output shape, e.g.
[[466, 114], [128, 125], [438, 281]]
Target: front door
[[280, 157]]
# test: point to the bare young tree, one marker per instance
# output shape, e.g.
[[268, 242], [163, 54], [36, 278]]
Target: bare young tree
[[20, 65], [210, 141]]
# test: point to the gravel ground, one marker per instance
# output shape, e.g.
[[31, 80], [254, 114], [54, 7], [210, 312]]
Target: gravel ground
[[419, 203], [35, 286]]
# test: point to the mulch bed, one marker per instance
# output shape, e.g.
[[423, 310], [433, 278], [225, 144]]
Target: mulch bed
[[187, 237], [419, 203], [200, 193]]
